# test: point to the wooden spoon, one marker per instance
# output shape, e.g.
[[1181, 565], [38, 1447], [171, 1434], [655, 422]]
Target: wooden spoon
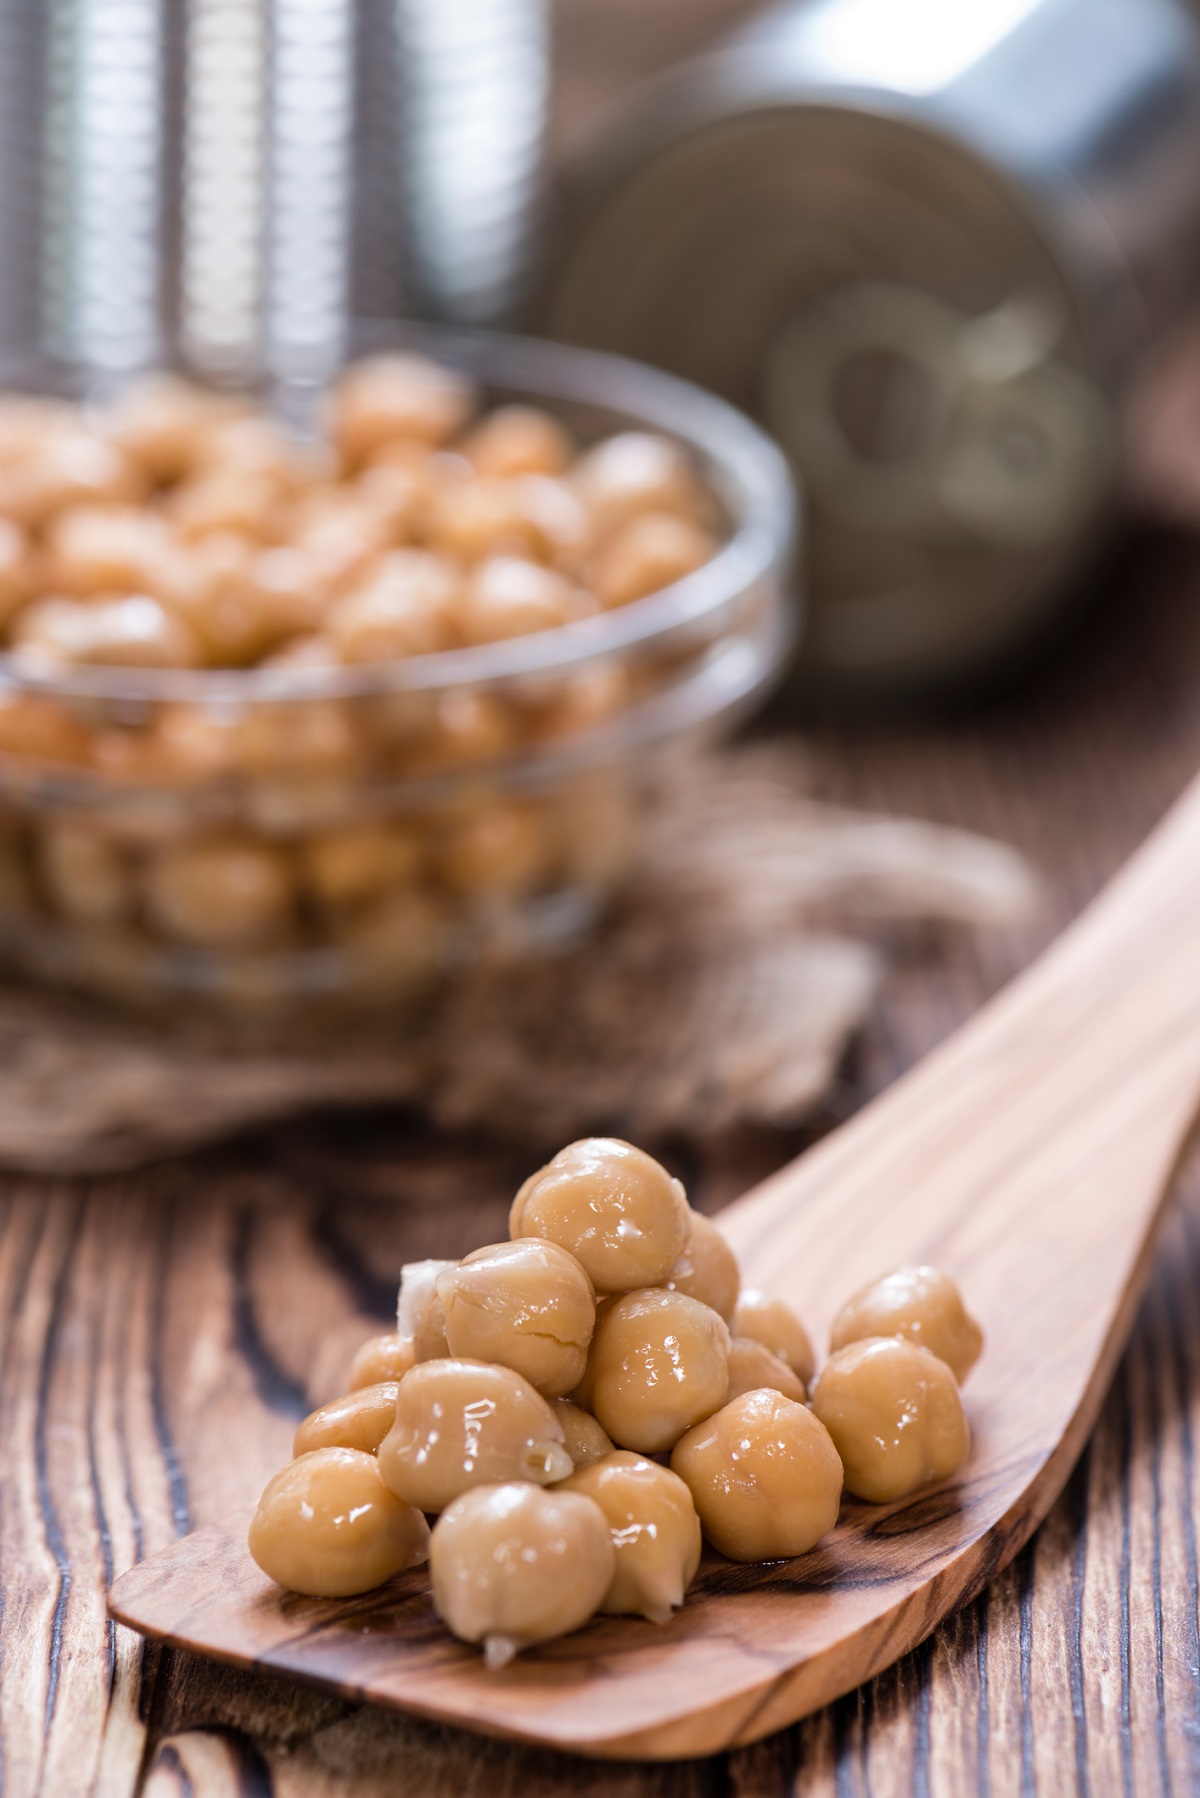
[[1029, 1157]]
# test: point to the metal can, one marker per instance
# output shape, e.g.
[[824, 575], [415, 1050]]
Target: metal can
[[927, 245]]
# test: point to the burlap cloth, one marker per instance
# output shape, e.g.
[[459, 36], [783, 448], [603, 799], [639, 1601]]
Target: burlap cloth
[[724, 988]]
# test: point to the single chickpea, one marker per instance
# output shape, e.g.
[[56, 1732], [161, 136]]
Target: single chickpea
[[18, 573], [40, 730], [585, 1440], [647, 554], [919, 1303], [507, 597], [764, 1475], [381, 1359], [513, 1566], [614, 1207], [706, 1268], [527, 1305], [752, 1368], [113, 549], [633, 473], [292, 591], [406, 608], [130, 632], [220, 893], [895, 1413], [655, 1532], [349, 867], [496, 851], [467, 1423], [344, 537], [555, 520], [466, 726], [163, 424], [249, 502], [420, 1314], [327, 1526], [582, 700], [518, 440], [359, 1420], [64, 467], [660, 1362], [84, 873], [399, 495], [769, 1321], [209, 585], [397, 396], [471, 520]]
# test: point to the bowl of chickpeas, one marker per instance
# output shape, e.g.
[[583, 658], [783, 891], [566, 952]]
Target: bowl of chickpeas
[[292, 716]]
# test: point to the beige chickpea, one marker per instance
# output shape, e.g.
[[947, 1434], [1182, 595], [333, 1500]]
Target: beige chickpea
[[896, 1415], [381, 1359], [659, 1363], [706, 1268], [128, 632], [495, 851], [468, 1423], [556, 523], [249, 502], [613, 1206], [64, 467], [420, 1314], [764, 1476], [254, 443], [518, 440], [471, 520], [655, 1533], [220, 893], [508, 597], [41, 730], [361, 1419], [106, 549], [18, 572], [752, 1367], [465, 727], [513, 1566], [584, 699], [405, 609], [527, 1305], [919, 1303], [585, 1440], [164, 424], [397, 396], [301, 737], [633, 473], [399, 496], [84, 873], [647, 554], [769, 1321], [344, 537], [327, 1526], [353, 866]]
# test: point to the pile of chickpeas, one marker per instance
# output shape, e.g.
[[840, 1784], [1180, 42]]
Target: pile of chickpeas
[[182, 529], [577, 1408]]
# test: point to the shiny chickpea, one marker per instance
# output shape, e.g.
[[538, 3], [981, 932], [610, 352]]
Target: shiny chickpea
[[585, 1440], [467, 1423], [359, 1420], [113, 549], [84, 873], [381, 1359], [508, 597], [420, 1314], [634, 473], [513, 1566], [18, 573], [919, 1303], [496, 851], [164, 424], [658, 1365], [655, 1532], [327, 1526], [353, 866], [406, 608], [769, 1321], [896, 1415], [220, 893], [613, 1206], [132, 632], [518, 440], [397, 396], [527, 1305], [647, 554], [753, 1368], [706, 1268], [764, 1476]]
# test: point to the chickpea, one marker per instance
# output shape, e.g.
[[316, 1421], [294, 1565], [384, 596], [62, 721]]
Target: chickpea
[[527, 1305], [352, 866], [248, 502], [582, 700], [114, 549], [164, 424], [659, 1364], [405, 609], [507, 597], [513, 1566], [397, 396], [764, 1476], [586, 1441], [554, 519], [300, 737], [398, 495], [344, 537], [471, 520], [327, 1526], [655, 1532], [17, 570], [769, 1321], [84, 873], [614, 1207], [706, 1268], [646, 554], [359, 1420], [634, 473], [895, 1413], [220, 893], [381, 1359], [920, 1304], [752, 1367], [466, 727], [466, 1423], [254, 444], [133, 632], [496, 851], [518, 440], [40, 730], [66, 466], [420, 1314]]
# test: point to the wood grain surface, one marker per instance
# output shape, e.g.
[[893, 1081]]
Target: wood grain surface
[[162, 1332]]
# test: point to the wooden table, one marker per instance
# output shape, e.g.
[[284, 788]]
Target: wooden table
[[162, 1332]]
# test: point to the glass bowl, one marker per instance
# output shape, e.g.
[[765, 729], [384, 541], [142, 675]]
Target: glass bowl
[[421, 814]]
